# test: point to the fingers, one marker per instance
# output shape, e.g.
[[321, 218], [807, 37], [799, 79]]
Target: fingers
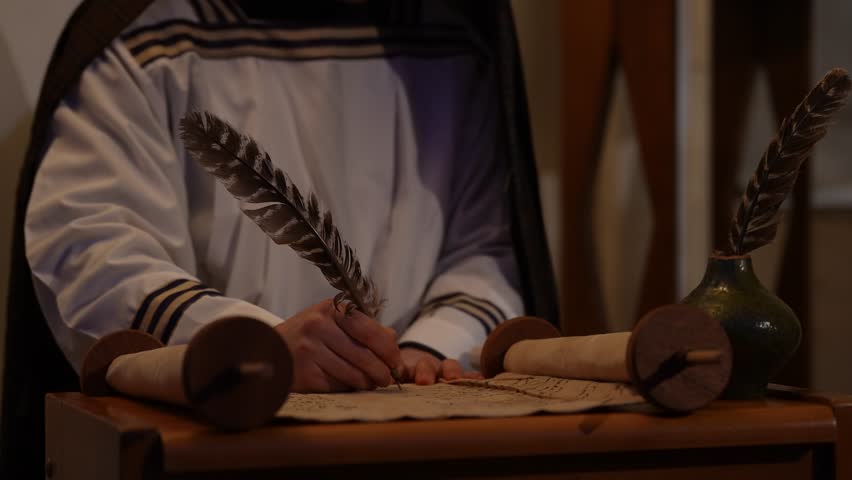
[[335, 351], [333, 341], [311, 378], [429, 370], [358, 355], [326, 371], [451, 369], [426, 371], [321, 348], [341, 371], [369, 333]]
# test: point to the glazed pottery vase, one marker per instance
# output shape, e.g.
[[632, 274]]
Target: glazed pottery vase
[[763, 330]]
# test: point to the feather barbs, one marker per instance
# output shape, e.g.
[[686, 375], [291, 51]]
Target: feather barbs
[[755, 222], [271, 199]]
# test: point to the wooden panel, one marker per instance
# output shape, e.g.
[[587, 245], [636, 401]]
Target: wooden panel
[[587, 60], [841, 454], [84, 443], [645, 32], [597, 36], [455, 439], [191, 446], [780, 463]]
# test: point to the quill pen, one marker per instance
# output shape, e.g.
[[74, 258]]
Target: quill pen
[[273, 202], [755, 222]]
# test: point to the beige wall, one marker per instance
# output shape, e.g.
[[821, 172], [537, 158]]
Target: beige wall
[[622, 220], [538, 31], [28, 30], [13, 123]]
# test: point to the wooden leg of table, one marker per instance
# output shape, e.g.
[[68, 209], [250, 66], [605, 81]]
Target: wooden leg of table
[[82, 446], [587, 39], [843, 447], [645, 32], [841, 405]]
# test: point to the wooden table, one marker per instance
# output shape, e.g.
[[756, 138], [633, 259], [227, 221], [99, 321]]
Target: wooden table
[[791, 435]]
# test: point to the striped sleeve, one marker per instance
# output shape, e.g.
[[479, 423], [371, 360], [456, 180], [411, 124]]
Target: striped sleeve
[[162, 309], [462, 310], [107, 229], [485, 312], [475, 286], [173, 312], [463, 306]]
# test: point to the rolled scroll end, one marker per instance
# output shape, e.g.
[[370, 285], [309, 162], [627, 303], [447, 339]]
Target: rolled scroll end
[[679, 358], [237, 372], [507, 334], [104, 351]]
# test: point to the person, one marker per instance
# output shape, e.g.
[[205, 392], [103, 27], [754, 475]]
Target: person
[[397, 114]]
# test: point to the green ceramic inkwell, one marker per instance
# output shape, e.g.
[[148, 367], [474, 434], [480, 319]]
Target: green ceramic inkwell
[[764, 332]]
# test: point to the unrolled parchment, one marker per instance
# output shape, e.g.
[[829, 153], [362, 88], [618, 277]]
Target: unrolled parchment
[[506, 395]]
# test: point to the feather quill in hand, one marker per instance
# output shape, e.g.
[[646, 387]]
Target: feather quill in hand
[[755, 222], [273, 202]]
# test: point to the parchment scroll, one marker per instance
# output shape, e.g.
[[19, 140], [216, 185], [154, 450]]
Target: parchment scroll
[[506, 395]]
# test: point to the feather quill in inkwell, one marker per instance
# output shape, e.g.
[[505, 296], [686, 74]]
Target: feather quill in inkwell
[[755, 222], [287, 216], [764, 332]]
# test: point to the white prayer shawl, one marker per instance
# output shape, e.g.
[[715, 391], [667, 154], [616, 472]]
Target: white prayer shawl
[[396, 138]]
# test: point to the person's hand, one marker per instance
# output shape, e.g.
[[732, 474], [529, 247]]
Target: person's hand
[[334, 352], [423, 368]]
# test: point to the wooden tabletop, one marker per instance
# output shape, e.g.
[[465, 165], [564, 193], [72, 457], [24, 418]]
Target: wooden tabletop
[[188, 445]]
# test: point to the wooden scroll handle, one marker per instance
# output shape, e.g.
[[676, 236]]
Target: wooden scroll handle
[[507, 334], [235, 373], [677, 356], [98, 359]]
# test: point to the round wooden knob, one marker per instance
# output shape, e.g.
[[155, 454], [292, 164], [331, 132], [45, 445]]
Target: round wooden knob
[[679, 358], [104, 351], [507, 334], [237, 373]]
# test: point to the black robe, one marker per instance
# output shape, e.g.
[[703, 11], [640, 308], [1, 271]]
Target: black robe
[[35, 365]]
